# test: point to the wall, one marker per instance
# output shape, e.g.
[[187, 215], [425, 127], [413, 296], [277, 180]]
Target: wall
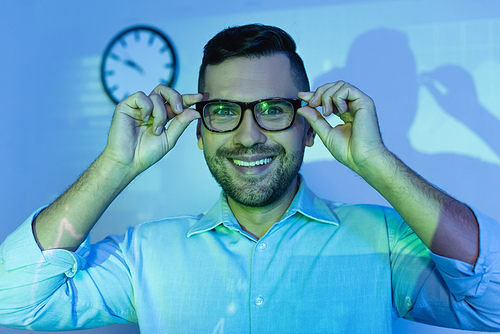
[[431, 67]]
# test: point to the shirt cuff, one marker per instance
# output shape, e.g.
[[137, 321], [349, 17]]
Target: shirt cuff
[[466, 280], [20, 249]]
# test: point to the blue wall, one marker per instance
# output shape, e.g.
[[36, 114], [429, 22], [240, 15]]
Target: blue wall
[[432, 68]]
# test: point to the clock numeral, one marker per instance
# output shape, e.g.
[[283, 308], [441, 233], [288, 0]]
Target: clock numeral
[[114, 56], [167, 82], [151, 39], [123, 43], [115, 87], [163, 49], [137, 35], [109, 73], [168, 65]]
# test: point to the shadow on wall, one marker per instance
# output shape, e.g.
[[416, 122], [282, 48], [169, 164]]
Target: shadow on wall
[[381, 63]]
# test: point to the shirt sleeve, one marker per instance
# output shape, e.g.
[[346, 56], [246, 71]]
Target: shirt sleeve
[[62, 290], [459, 295]]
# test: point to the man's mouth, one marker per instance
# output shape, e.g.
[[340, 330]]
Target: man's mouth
[[260, 162]]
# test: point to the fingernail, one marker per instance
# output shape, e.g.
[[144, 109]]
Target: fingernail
[[158, 130], [180, 107]]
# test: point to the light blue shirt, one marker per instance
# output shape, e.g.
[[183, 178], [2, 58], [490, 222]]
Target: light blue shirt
[[325, 267]]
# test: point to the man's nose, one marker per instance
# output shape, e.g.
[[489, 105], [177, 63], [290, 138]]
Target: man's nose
[[249, 133]]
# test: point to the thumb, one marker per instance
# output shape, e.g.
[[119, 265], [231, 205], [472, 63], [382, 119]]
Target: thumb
[[319, 124], [178, 125]]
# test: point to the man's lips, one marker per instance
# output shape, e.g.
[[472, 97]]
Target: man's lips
[[252, 163], [256, 159]]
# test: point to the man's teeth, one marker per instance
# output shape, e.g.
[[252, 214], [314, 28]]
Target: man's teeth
[[252, 163]]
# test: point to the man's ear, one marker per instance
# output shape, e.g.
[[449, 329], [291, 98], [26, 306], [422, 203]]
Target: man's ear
[[310, 134], [198, 134]]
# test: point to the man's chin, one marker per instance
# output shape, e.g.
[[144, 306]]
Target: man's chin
[[257, 194], [251, 195], [256, 189]]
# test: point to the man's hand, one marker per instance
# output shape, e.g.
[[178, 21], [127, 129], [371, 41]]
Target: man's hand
[[137, 137], [445, 225], [356, 141]]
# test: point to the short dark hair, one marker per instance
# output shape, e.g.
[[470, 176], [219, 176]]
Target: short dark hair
[[253, 41]]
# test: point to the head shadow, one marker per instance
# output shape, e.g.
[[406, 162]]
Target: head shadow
[[381, 63]]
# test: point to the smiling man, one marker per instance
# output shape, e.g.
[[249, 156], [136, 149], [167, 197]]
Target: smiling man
[[256, 168], [270, 256]]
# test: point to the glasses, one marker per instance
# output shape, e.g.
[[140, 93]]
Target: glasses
[[274, 114]]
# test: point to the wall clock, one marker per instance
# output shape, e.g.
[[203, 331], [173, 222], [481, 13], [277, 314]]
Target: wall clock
[[137, 59]]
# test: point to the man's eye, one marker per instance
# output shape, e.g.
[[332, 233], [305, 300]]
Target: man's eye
[[222, 111], [272, 111]]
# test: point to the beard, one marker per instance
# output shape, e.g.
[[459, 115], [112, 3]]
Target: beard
[[255, 190]]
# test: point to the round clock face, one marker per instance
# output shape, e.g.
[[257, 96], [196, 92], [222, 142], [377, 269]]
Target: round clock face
[[137, 59]]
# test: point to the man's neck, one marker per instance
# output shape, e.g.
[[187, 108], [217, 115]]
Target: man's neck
[[258, 220]]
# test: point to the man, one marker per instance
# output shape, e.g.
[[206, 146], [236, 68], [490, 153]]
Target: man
[[269, 257]]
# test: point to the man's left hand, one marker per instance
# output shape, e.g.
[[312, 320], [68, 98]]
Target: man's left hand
[[358, 140]]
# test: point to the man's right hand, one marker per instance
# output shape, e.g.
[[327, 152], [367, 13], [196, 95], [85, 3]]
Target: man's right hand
[[137, 137]]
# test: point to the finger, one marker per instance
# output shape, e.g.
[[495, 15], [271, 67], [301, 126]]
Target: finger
[[322, 97], [191, 99], [305, 96], [348, 97], [309, 96], [188, 100], [329, 100], [159, 114], [138, 106], [349, 100], [342, 97], [172, 97], [315, 100]]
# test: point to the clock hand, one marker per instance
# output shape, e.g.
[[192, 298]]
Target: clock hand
[[134, 65]]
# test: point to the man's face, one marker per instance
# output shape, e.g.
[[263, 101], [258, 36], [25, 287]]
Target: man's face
[[253, 166]]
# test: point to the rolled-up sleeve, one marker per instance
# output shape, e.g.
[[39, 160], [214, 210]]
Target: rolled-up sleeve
[[466, 280], [57, 289], [473, 297]]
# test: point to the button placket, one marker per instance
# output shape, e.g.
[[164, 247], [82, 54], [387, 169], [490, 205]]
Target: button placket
[[260, 248]]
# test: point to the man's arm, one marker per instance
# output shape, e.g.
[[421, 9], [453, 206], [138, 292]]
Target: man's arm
[[37, 289], [69, 219], [137, 140], [446, 226]]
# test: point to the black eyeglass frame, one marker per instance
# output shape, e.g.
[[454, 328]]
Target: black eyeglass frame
[[296, 104]]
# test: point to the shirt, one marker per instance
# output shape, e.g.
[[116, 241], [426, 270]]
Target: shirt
[[325, 267]]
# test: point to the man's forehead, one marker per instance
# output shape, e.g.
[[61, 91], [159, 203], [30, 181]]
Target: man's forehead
[[245, 78]]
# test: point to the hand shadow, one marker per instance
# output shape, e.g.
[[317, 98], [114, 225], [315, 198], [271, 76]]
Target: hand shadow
[[453, 89], [381, 63]]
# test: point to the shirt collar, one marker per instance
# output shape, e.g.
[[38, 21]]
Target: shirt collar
[[218, 214], [304, 202], [310, 205]]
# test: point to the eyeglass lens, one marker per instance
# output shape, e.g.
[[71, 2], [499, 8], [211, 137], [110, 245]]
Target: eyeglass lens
[[271, 115]]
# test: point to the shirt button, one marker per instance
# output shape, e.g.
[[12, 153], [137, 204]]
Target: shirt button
[[259, 301], [408, 302], [262, 246]]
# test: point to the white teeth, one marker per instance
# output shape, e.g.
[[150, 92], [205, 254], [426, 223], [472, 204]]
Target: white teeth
[[252, 163]]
